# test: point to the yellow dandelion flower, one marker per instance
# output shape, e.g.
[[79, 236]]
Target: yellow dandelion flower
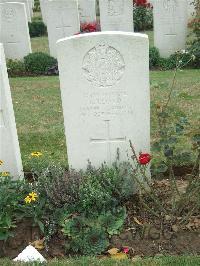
[[33, 196], [1, 162], [36, 154], [4, 174], [27, 200]]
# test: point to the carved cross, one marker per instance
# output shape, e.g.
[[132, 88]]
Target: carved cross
[[108, 140]]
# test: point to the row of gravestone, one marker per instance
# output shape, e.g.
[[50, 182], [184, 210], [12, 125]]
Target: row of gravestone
[[62, 19], [105, 98]]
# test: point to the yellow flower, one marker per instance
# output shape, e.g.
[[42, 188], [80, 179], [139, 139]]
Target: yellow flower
[[27, 200], [33, 196], [36, 154], [5, 174], [1, 162]]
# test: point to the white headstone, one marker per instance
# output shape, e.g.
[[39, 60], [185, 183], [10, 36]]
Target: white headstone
[[43, 10], [30, 254], [14, 33], [62, 21], [27, 6], [105, 95], [9, 145], [87, 10], [116, 15], [170, 25]]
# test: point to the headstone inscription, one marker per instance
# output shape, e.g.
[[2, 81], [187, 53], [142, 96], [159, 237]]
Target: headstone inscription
[[62, 21], [14, 33], [105, 96], [27, 6], [9, 145], [116, 15], [170, 25], [87, 11]]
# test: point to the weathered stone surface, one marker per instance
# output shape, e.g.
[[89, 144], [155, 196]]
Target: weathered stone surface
[[43, 10], [27, 6], [14, 33], [105, 96], [87, 10], [62, 21], [9, 145], [170, 25], [116, 15]]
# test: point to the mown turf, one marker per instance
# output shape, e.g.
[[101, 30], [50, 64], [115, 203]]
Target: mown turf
[[85, 261], [39, 118]]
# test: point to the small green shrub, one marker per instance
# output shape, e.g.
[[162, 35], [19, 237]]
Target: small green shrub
[[36, 6], [38, 63], [195, 51], [90, 234], [37, 28], [143, 18], [105, 188], [154, 57], [16, 68]]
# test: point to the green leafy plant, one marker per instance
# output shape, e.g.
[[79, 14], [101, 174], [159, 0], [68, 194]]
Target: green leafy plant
[[143, 18], [90, 234], [37, 28], [106, 187], [91, 241], [154, 57], [38, 63], [16, 68], [172, 126], [11, 197]]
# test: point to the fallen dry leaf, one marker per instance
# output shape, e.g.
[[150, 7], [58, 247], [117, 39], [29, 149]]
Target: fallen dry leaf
[[113, 251], [175, 228], [119, 256], [137, 221], [38, 244]]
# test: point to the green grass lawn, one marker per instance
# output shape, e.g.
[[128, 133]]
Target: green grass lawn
[[85, 261], [37, 105]]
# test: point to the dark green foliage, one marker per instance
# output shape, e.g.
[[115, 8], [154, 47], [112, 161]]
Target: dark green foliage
[[36, 5], [91, 241], [59, 186], [37, 28], [195, 50], [154, 57], [143, 18], [38, 63], [11, 196], [105, 188], [16, 68], [90, 235]]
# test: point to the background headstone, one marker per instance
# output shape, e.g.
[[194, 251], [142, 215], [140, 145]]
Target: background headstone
[[43, 10], [116, 15], [104, 81], [87, 10], [27, 6], [62, 21], [170, 25], [14, 32], [9, 145]]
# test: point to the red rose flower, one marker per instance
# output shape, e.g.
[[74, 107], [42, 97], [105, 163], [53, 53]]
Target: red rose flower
[[144, 158], [126, 250]]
